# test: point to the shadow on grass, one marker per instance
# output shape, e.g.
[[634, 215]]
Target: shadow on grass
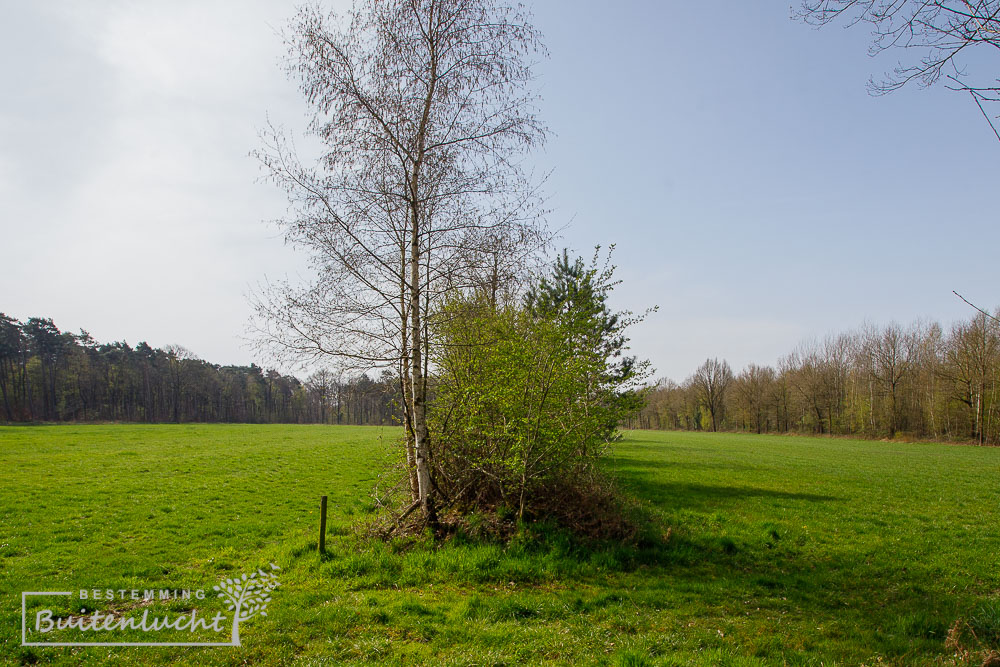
[[838, 582], [618, 462], [694, 495], [717, 570]]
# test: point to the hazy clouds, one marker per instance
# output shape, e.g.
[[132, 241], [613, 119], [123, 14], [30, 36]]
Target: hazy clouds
[[129, 201], [755, 192]]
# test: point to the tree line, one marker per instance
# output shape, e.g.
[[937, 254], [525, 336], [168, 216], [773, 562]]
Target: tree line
[[54, 376], [878, 382]]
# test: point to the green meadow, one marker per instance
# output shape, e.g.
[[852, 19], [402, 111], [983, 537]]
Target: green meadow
[[760, 551]]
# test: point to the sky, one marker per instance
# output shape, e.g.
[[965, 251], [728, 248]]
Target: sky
[[752, 188]]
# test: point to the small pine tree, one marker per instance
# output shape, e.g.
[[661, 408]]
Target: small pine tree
[[528, 396]]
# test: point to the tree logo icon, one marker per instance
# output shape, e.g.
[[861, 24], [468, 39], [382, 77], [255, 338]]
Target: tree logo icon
[[247, 596]]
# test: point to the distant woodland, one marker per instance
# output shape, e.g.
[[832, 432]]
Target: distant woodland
[[919, 381], [47, 375]]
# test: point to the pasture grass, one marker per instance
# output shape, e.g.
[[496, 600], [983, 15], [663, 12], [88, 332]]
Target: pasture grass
[[759, 551]]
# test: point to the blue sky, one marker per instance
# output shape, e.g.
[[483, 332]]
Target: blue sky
[[754, 190]]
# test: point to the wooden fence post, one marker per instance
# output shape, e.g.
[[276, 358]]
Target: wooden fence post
[[322, 525]]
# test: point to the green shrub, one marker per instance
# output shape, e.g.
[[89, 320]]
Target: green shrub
[[529, 395]]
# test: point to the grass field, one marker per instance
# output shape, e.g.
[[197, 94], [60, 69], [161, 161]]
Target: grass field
[[782, 550]]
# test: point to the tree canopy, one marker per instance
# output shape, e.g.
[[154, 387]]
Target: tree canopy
[[943, 35]]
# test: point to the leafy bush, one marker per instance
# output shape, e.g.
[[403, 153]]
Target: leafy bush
[[529, 395]]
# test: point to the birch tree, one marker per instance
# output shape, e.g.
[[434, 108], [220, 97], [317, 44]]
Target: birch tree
[[890, 356], [752, 387], [711, 382], [424, 109]]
